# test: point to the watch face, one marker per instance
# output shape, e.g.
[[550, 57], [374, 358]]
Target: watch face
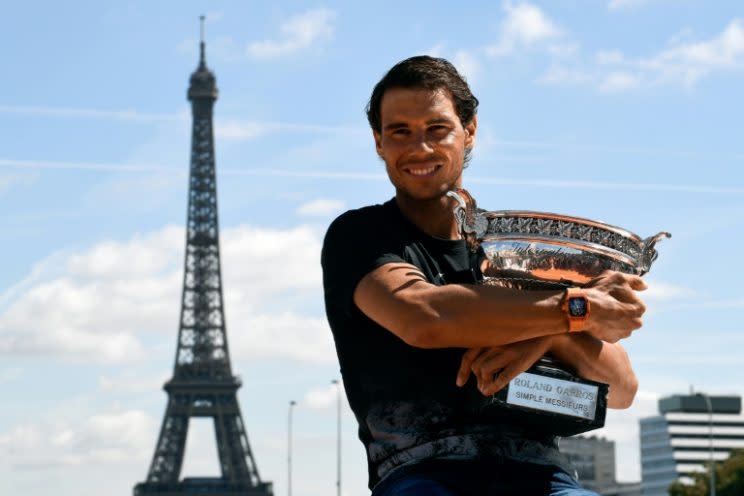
[[577, 306]]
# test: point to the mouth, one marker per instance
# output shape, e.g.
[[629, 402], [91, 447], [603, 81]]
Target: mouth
[[423, 170]]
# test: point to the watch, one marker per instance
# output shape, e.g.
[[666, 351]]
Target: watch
[[576, 307]]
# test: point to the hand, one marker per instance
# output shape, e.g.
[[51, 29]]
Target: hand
[[616, 309], [494, 367]]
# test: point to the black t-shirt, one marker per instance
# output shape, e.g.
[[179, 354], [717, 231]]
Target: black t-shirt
[[405, 398]]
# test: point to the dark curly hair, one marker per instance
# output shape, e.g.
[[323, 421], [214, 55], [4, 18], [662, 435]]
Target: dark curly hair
[[425, 72], [432, 73]]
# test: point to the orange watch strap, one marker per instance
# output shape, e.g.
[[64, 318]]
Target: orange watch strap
[[575, 323]]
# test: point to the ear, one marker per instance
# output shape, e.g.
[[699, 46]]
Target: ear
[[470, 132], [378, 142]]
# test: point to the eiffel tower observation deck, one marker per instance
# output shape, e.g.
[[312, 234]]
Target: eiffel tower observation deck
[[203, 384]]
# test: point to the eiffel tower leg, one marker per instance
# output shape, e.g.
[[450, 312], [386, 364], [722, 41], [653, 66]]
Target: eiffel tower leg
[[168, 459], [234, 451]]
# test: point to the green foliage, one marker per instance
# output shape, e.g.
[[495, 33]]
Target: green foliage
[[729, 479]]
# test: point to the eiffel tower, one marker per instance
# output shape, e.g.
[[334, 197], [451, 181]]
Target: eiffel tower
[[203, 384]]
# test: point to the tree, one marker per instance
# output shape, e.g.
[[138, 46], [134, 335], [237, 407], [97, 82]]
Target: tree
[[729, 479]]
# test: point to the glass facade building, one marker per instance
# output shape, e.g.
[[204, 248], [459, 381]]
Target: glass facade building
[[689, 431]]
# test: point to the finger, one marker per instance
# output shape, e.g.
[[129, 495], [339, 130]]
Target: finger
[[605, 274], [628, 306], [488, 364], [637, 283], [478, 362], [635, 324], [499, 382], [465, 365], [598, 279], [491, 360], [625, 295]]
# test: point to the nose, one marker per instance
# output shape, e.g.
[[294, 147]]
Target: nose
[[420, 142]]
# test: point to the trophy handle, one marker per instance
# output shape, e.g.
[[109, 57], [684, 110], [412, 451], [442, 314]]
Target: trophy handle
[[648, 253], [466, 216]]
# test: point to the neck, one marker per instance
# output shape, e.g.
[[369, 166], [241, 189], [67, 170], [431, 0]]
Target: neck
[[434, 217]]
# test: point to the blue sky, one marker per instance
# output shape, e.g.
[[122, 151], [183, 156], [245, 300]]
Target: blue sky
[[627, 111]]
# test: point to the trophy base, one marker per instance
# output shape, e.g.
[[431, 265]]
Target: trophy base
[[548, 399]]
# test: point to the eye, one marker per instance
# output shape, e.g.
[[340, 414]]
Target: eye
[[439, 130]]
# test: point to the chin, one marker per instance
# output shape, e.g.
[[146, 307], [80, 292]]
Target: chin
[[424, 196]]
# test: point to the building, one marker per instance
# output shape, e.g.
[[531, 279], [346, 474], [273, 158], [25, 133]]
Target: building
[[682, 438], [593, 458]]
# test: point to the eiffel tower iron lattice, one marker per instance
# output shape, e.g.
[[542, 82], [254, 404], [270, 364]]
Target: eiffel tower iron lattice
[[202, 383]]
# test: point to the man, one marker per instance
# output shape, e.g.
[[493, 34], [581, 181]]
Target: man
[[411, 326]]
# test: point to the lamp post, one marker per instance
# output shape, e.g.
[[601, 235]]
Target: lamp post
[[289, 448], [338, 437], [710, 439]]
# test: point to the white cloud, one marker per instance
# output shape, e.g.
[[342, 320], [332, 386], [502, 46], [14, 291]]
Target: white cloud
[[619, 81], [688, 62], [467, 64], [108, 300], [129, 383], [138, 257], [683, 63], [465, 61], [324, 398], [321, 207], [99, 304], [39, 271], [283, 335], [664, 291], [297, 33], [110, 438], [525, 26]]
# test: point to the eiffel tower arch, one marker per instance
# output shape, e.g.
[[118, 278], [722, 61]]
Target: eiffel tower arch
[[203, 384]]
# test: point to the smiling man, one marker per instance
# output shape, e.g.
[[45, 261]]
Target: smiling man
[[420, 342]]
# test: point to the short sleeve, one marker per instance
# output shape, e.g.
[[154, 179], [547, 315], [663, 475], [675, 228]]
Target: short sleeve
[[353, 247]]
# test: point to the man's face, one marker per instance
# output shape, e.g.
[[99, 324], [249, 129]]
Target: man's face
[[422, 141]]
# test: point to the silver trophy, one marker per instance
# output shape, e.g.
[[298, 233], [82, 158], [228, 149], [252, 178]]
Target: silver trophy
[[538, 250]]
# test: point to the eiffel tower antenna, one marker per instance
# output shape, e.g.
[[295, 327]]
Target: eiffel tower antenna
[[203, 384], [202, 60]]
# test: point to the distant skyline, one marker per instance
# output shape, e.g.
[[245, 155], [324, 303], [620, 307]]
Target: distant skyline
[[626, 111]]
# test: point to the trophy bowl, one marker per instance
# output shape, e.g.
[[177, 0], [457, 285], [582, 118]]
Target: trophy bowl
[[542, 251]]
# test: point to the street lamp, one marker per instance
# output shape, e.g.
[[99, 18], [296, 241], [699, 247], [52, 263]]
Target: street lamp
[[289, 448], [710, 438], [338, 437]]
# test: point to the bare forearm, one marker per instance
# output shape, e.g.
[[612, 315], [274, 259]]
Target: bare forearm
[[599, 361], [471, 316], [399, 298]]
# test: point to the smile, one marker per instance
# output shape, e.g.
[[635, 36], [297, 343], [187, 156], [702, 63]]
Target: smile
[[424, 171]]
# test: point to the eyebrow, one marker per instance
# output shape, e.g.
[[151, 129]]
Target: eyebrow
[[395, 125], [399, 125]]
